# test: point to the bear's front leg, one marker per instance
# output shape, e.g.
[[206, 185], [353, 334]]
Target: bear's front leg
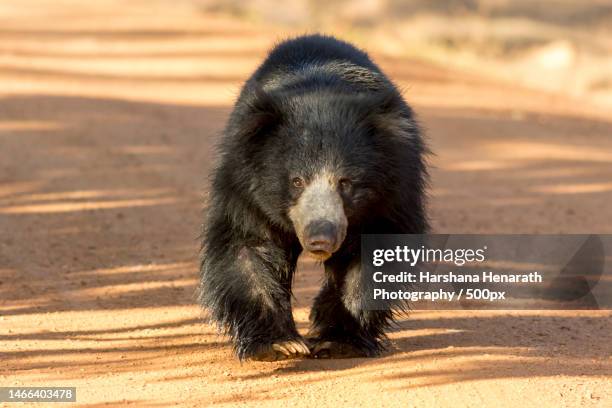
[[342, 326], [247, 290]]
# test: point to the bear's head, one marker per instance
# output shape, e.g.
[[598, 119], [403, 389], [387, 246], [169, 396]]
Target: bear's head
[[322, 163]]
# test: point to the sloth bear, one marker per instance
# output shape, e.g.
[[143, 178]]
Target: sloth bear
[[319, 149]]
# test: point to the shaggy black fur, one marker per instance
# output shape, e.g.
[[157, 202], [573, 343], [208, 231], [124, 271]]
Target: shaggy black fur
[[314, 103]]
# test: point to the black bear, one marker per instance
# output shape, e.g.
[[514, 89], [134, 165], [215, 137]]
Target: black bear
[[319, 149]]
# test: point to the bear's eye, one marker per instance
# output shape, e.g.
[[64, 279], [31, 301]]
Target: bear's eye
[[298, 182], [345, 184]]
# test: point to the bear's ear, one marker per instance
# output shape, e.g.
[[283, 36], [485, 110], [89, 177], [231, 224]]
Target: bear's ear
[[260, 113], [387, 113]]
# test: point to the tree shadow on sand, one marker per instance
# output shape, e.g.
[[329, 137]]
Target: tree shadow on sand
[[84, 179]]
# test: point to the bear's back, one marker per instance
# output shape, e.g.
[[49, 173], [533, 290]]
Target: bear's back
[[318, 60]]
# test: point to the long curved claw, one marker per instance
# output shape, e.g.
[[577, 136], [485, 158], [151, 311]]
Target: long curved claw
[[283, 350]]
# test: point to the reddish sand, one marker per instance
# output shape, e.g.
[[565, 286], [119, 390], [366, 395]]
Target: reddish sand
[[108, 117]]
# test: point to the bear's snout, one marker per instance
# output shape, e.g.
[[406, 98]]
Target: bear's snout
[[318, 216], [321, 238]]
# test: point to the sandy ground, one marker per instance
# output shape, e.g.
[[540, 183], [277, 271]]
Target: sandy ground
[[108, 116]]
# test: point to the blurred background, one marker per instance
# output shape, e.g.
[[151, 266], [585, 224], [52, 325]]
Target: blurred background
[[558, 45]]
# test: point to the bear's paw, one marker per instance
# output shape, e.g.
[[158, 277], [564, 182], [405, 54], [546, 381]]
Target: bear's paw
[[282, 350], [334, 349]]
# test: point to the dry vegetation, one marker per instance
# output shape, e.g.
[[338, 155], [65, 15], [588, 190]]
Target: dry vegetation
[[556, 45]]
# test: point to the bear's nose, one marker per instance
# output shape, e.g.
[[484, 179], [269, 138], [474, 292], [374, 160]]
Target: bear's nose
[[321, 236]]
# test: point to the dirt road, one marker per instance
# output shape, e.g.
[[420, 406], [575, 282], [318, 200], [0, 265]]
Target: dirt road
[[108, 116]]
